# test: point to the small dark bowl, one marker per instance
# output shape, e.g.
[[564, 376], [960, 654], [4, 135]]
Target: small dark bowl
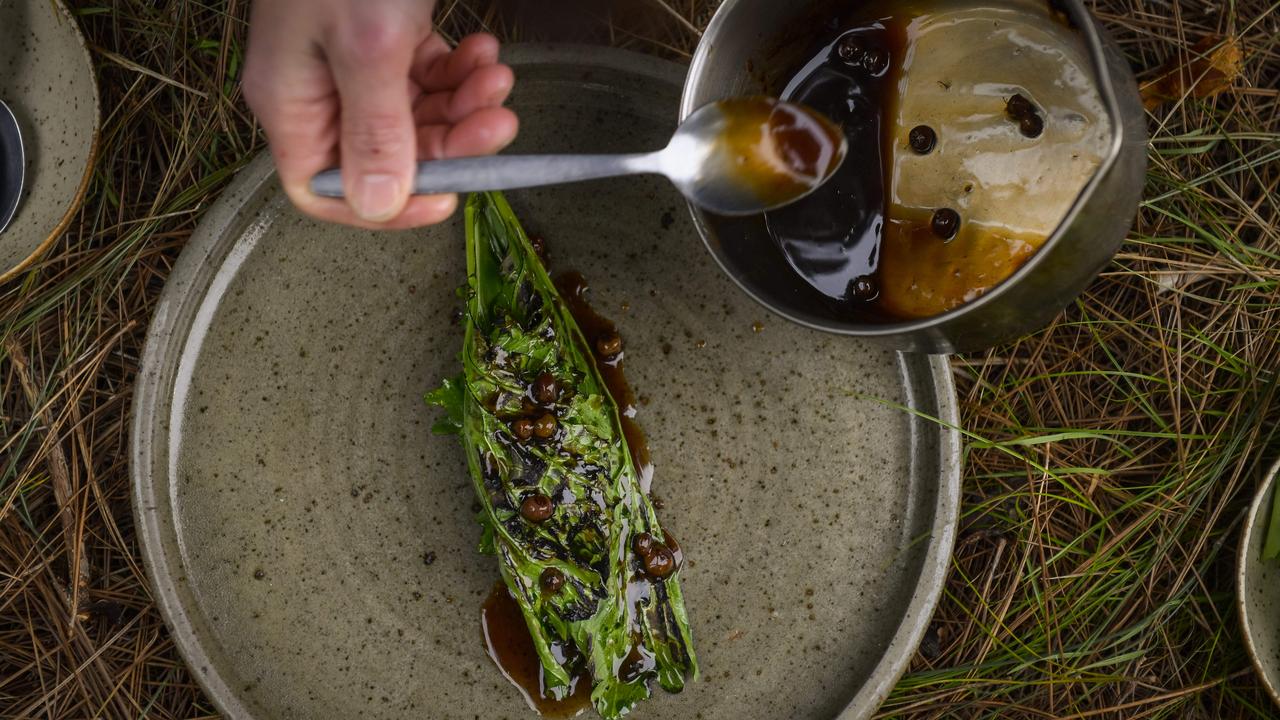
[[744, 37], [13, 162]]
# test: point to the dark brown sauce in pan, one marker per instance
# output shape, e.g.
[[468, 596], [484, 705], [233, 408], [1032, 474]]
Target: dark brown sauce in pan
[[506, 639], [832, 237], [573, 287]]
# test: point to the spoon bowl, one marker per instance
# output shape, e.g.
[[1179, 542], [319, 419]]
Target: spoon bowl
[[740, 156], [744, 156], [13, 166]]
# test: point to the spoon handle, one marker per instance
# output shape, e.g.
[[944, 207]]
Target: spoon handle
[[504, 172]]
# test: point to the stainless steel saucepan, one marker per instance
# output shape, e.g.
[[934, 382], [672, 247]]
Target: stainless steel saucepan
[[750, 45]]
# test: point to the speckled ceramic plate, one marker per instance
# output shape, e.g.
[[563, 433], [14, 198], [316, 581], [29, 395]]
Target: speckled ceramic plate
[[288, 487], [1258, 583], [47, 79]]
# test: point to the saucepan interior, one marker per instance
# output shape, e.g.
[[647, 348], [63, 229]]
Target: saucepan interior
[[757, 46]]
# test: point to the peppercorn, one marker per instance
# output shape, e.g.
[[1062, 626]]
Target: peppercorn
[[945, 223], [862, 288], [539, 247], [609, 345], [536, 508], [661, 562], [922, 139], [1031, 126], [551, 580], [545, 426], [850, 50], [1019, 107], [544, 388], [1024, 112], [522, 429], [876, 61], [643, 543]]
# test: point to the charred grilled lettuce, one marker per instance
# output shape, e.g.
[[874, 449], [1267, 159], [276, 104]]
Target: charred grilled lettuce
[[578, 542]]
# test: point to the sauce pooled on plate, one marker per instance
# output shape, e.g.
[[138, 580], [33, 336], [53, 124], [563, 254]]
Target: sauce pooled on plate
[[506, 639]]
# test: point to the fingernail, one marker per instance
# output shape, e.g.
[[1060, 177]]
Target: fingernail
[[377, 197]]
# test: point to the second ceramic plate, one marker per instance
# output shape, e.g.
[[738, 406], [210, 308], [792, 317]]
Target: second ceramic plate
[[47, 79], [1258, 588], [288, 488]]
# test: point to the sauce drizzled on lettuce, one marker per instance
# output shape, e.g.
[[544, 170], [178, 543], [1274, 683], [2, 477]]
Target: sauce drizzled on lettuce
[[561, 501]]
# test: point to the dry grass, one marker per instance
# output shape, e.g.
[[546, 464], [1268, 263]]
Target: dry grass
[[1112, 454]]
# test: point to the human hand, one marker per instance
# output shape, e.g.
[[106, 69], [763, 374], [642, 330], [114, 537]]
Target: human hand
[[368, 85]]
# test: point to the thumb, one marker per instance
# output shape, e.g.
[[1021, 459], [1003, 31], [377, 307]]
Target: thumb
[[378, 141]]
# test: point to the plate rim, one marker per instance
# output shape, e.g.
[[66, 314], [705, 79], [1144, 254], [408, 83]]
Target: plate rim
[[1242, 606], [934, 566], [154, 387], [91, 160]]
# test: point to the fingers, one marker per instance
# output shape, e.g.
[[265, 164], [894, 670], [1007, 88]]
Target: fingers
[[288, 86], [324, 90], [420, 210], [377, 145], [484, 132], [485, 87], [460, 113], [428, 52], [434, 71]]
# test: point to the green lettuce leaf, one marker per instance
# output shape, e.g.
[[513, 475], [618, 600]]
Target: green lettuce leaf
[[517, 327]]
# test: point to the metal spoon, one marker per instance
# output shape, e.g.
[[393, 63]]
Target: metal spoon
[[734, 157], [13, 166]]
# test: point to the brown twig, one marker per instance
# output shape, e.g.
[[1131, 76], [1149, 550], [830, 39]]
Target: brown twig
[[60, 477]]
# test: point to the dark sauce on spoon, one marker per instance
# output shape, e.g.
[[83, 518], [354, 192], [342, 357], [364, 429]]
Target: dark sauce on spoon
[[778, 150], [506, 639], [597, 328]]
